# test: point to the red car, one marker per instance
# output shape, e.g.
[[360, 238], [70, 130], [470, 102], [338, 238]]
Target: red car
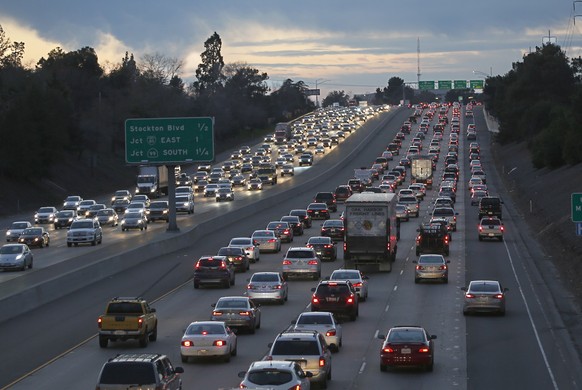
[[407, 346]]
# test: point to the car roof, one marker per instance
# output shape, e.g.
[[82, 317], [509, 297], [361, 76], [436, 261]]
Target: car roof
[[278, 364]]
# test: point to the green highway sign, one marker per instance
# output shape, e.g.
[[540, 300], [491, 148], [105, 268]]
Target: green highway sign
[[445, 84], [460, 84], [577, 207], [169, 140], [477, 84], [425, 85]]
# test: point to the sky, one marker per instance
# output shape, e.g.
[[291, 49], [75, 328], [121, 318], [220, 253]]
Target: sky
[[350, 46]]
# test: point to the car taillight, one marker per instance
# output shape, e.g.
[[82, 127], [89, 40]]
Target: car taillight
[[309, 246], [469, 295], [250, 286], [139, 322], [443, 267], [328, 246], [99, 322], [269, 357], [197, 265], [321, 361], [223, 266], [387, 350], [480, 228], [345, 246], [255, 242], [277, 287], [238, 258], [286, 231], [312, 262], [272, 240], [419, 267], [314, 299], [286, 262], [499, 296], [187, 343], [216, 313], [350, 299], [502, 228], [358, 284], [219, 343], [423, 350]]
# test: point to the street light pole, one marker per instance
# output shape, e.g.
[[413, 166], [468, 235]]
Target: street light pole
[[483, 74], [318, 81]]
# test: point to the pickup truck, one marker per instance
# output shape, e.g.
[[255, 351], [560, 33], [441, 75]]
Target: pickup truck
[[128, 318], [491, 227]]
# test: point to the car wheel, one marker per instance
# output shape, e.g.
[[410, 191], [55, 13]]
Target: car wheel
[[69, 244], [502, 312], [430, 366], [184, 358], [259, 324], [196, 285], [446, 280], [144, 340], [76, 244], [252, 329], [103, 341], [141, 229], [501, 238], [154, 334], [480, 238], [416, 280], [94, 242], [232, 281], [383, 367], [226, 358]]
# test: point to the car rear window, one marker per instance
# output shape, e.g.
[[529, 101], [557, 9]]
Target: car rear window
[[405, 336], [484, 287], [295, 347], [314, 320], [270, 377], [127, 373], [265, 278], [124, 308], [299, 254], [444, 212], [329, 289], [229, 251], [204, 329]]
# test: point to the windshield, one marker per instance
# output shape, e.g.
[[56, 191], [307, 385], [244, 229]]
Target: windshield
[[146, 179], [19, 225], [31, 231], [82, 225], [11, 249], [45, 210]]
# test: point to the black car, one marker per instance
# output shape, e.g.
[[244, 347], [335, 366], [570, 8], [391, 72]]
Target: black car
[[159, 210], [303, 216], [119, 205], [356, 185], [318, 211], [64, 218], [337, 296], [35, 236], [333, 228], [237, 256], [328, 198], [214, 270], [324, 247], [295, 222]]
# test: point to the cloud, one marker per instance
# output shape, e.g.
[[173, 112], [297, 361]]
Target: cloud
[[35, 46]]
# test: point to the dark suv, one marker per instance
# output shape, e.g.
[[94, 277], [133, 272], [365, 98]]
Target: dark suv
[[432, 238], [338, 296], [328, 198], [303, 216], [214, 270], [343, 192], [490, 206], [356, 185], [142, 371], [159, 210]]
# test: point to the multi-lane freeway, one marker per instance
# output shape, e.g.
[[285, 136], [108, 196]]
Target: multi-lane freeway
[[54, 346]]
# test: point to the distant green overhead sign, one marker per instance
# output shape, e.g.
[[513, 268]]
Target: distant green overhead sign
[[460, 84], [169, 140], [445, 84], [477, 84], [426, 85]]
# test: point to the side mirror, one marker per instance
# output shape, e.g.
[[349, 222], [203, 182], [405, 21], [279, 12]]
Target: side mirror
[[242, 374], [213, 305], [505, 289], [365, 277], [433, 336], [381, 336], [448, 261], [308, 374], [414, 261], [313, 289], [270, 345], [178, 370], [153, 310]]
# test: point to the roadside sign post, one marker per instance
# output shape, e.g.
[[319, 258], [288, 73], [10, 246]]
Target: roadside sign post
[[576, 207]]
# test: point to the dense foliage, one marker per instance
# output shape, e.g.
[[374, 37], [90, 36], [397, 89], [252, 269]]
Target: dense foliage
[[540, 101], [69, 105]]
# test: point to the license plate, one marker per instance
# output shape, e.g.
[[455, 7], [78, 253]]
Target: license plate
[[431, 268], [316, 213], [332, 299], [119, 332], [491, 234], [405, 351]]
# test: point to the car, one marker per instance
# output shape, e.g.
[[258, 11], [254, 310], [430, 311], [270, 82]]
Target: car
[[71, 202], [35, 236], [318, 211], [184, 180], [199, 176], [333, 228], [490, 227], [266, 240], [255, 184], [431, 267], [15, 256], [324, 323], [275, 375], [16, 229], [484, 296], [402, 213], [45, 215], [183, 190], [92, 211], [84, 231], [295, 224], [139, 371], [307, 347], [134, 220], [490, 206], [407, 346], [237, 256], [184, 204], [237, 312], [120, 205], [84, 206], [287, 169], [268, 286], [208, 339], [119, 194], [136, 207], [200, 185], [305, 159], [210, 190], [301, 261], [411, 202], [356, 185], [239, 180], [419, 190], [328, 198], [342, 192], [214, 270], [107, 216], [448, 213], [336, 296], [303, 216], [359, 281], [282, 230], [325, 248], [159, 210]]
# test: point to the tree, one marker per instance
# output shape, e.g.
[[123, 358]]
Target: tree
[[11, 53], [209, 72], [160, 69], [290, 100], [125, 74], [336, 97]]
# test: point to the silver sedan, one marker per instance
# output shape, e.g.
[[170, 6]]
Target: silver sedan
[[323, 322], [205, 339], [266, 240], [247, 244], [484, 296], [269, 286], [359, 281], [15, 256], [431, 267]]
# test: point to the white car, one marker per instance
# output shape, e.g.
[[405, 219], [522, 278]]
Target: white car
[[208, 339], [247, 244], [275, 375], [359, 281], [323, 322]]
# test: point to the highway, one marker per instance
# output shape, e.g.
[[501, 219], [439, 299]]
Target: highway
[[530, 347]]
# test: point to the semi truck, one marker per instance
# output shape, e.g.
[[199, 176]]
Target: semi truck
[[282, 133], [152, 180], [371, 231], [421, 170]]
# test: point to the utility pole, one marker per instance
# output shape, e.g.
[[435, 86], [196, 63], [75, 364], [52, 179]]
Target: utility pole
[[549, 39], [574, 6], [418, 60]]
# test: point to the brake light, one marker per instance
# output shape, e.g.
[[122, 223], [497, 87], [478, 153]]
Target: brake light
[[139, 322], [223, 265], [309, 246], [238, 258], [358, 284], [314, 299], [99, 322], [321, 361], [345, 246], [272, 240], [469, 295], [480, 228], [312, 262], [286, 231], [331, 332], [286, 262], [219, 343], [269, 357], [216, 313], [250, 286], [350, 299], [187, 343], [499, 296], [423, 350], [443, 267], [277, 287], [387, 350], [197, 265], [419, 267], [502, 228]]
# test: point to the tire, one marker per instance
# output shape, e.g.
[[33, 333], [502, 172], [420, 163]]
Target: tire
[[252, 329], [69, 244], [416, 280], [226, 358], [429, 367], [285, 275], [234, 351], [231, 282], [383, 367], [353, 316], [184, 358], [227, 284], [30, 265], [141, 229], [196, 285], [446, 280], [103, 341], [501, 238], [144, 340], [154, 334], [41, 244], [94, 242], [480, 238]]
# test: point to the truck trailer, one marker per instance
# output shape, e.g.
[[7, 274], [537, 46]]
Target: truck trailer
[[421, 170], [371, 230]]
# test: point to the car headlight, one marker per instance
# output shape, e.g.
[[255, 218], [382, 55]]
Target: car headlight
[[123, 221], [19, 257], [8, 233]]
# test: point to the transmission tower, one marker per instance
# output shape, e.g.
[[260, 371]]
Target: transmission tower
[[418, 60]]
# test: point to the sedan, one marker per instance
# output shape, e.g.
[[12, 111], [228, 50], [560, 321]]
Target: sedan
[[107, 217], [15, 229], [323, 322], [224, 193], [359, 281], [282, 230], [269, 286], [45, 215], [64, 219], [333, 228], [431, 267], [239, 312], [407, 346], [255, 184], [35, 236], [15, 256], [237, 256], [208, 339], [266, 240], [295, 224], [324, 247], [134, 220], [249, 247], [484, 296], [318, 211]]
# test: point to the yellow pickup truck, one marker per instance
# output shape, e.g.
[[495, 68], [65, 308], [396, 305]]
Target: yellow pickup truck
[[128, 318]]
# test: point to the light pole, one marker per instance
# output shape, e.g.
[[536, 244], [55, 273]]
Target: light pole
[[483, 74], [318, 81]]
